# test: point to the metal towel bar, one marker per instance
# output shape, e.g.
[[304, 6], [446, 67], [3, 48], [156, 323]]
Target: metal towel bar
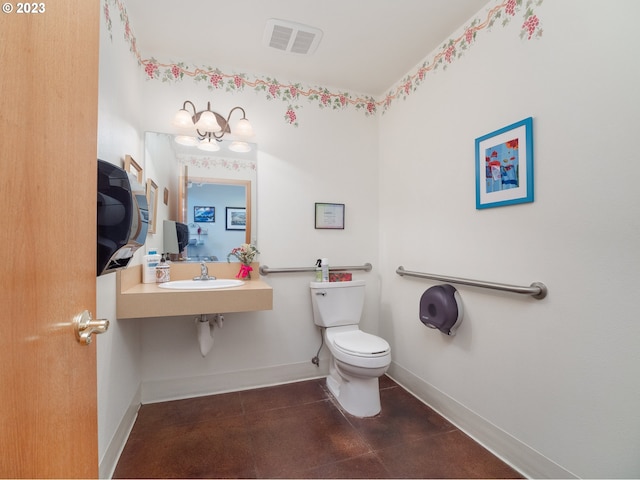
[[264, 270], [536, 290]]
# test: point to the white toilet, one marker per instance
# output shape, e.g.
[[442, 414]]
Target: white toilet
[[357, 358]]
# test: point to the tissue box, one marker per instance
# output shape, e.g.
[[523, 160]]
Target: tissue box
[[339, 277]]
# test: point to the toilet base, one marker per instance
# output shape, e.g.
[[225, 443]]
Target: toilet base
[[359, 397]]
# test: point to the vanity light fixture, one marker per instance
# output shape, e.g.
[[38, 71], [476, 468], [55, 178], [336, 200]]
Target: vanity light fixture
[[210, 127]]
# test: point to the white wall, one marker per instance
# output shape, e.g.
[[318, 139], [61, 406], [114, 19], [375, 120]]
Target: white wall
[[118, 351], [559, 376], [550, 385]]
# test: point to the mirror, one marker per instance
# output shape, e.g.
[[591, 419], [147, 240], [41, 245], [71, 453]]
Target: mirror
[[213, 193]]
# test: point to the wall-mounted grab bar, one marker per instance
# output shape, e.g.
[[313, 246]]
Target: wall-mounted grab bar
[[264, 270], [536, 290]]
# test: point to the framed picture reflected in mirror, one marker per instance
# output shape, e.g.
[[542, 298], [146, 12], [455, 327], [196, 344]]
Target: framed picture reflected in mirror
[[236, 218], [204, 214]]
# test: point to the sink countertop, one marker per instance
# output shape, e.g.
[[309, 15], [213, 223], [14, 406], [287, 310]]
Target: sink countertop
[[144, 300]]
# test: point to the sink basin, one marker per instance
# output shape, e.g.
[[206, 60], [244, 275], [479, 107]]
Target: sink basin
[[201, 284]]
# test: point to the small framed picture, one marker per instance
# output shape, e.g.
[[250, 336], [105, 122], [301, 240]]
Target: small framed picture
[[132, 167], [204, 214], [152, 202], [504, 166], [330, 216], [236, 218]]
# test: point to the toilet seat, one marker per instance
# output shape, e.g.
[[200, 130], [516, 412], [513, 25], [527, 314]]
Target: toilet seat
[[361, 344]]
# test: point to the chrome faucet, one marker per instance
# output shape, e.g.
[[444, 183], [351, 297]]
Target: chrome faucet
[[204, 273]]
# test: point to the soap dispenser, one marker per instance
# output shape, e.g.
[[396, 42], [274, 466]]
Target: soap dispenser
[[163, 271], [324, 266], [318, 270]]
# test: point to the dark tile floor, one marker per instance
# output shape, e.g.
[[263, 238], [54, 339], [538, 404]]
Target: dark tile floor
[[299, 431]]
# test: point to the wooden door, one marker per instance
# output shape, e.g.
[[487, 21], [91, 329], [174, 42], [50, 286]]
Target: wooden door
[[48, 126]]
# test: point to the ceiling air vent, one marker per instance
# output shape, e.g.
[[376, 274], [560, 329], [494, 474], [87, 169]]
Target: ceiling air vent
[[291, 37]]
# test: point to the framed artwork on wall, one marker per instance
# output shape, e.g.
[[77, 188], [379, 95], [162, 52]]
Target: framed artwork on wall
[[132, 167], [504, 166], [152, 202], [330, 216], [236, 218], [204, 214]]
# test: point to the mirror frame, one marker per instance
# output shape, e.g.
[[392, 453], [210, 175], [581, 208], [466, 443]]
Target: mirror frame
[[170, 163]]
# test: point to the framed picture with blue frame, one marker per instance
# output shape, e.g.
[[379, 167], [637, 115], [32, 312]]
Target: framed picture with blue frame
[[504, 166]]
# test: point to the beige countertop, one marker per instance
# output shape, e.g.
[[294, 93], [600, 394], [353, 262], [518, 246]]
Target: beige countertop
[[147, 300]]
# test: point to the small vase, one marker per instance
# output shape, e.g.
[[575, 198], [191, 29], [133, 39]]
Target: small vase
[[245, 272]]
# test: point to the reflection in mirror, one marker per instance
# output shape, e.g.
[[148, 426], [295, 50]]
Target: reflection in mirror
[[216, 214], [215, 194]]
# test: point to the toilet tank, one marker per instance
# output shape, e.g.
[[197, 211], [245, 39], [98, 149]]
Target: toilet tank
[[337, 303]]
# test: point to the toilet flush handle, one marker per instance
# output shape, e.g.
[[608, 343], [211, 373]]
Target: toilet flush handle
[[321, 293]]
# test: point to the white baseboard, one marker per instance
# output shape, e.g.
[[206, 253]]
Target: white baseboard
[[116, 445], [520, 456], [154, 391]]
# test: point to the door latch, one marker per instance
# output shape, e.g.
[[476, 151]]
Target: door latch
[[84, 325]]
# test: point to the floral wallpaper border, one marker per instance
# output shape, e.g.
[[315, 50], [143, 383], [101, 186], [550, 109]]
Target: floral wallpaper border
[[216, 163], [293, 93]]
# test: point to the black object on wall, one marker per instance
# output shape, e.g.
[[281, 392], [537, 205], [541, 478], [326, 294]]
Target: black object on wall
[[123, 218]]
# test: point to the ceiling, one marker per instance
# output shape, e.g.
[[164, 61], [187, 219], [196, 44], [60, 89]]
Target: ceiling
[[366, 46]]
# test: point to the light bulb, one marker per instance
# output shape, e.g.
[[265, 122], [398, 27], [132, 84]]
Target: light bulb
[[239, 147], [183, 119], [209, 145], [243, 129], [207, 122], [186, 140]]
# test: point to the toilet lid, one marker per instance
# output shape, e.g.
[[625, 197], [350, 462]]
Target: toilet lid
[[357, 342]]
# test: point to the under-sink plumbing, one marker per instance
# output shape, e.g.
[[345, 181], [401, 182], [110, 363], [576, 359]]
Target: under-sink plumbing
[[204, 328]]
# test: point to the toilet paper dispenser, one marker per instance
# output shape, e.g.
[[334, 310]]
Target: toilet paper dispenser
[[441, 308]]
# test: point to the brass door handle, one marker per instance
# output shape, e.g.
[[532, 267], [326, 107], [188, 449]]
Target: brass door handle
[[84, 325]]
